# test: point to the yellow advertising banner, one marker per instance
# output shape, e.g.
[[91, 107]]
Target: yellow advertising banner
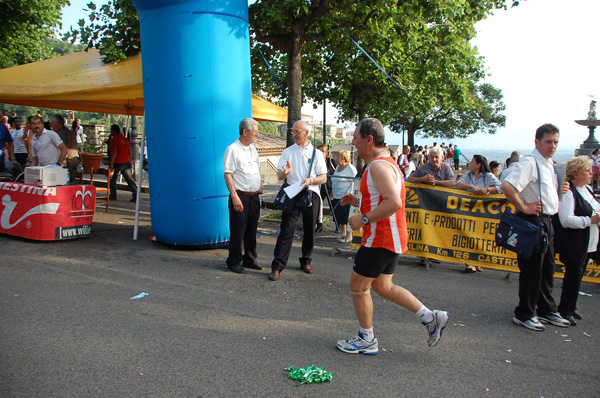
[[457, 226]]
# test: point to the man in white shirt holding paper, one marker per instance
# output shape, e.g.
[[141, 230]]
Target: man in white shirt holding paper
[[294, 165]]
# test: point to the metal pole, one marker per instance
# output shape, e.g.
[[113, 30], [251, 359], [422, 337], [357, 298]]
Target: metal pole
[[133, 134], [324, 114], [139, 187]]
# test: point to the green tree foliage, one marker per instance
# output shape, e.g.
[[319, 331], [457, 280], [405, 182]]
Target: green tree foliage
[[423, 45], [59, 47], [114, 29], [25, 25], [269, 128], [478, 111], [426, 49], [285, 27]]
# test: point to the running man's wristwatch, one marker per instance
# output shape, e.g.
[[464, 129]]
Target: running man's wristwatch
[[365, 219]]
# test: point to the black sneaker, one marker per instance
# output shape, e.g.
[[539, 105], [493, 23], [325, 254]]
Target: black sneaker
[[237, 268], [570, 318], [555, 319], [112, 197], [577, 315]]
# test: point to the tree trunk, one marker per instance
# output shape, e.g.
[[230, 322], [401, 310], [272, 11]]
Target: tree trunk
[[360, 163], [411, 136], [294, 83]]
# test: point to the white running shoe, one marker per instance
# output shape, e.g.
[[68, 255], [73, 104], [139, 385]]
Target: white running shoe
[[435, 327], [532, 324], [358, 345]]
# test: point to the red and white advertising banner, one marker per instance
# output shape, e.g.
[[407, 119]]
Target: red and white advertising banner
[[46, 213]]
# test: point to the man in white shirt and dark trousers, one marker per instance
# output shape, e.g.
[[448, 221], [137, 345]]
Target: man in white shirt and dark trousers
[[294, 165], [522, 189], [244, 182]]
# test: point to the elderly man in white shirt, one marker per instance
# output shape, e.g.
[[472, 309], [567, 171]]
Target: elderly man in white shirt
[[244, 182], [531, 176], [294, 166]]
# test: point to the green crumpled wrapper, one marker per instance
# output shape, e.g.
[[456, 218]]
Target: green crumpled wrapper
[[312, 374]]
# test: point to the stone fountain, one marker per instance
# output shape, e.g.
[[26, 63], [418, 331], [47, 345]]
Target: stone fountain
[[591, 122]]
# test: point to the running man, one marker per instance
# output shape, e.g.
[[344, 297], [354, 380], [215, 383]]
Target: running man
[[383, 221]]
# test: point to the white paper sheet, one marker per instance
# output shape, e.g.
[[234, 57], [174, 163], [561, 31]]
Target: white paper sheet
[[292, 190]]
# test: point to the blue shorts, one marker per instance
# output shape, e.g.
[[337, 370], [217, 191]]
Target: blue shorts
[[371, 262]]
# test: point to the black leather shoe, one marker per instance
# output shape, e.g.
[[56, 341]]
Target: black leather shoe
[[253, 266], [306, 268], [236, 268], [273, 276], [577, 315], [571, 319]]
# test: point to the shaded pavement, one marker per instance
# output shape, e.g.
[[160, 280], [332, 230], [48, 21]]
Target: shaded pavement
[[69, 328]]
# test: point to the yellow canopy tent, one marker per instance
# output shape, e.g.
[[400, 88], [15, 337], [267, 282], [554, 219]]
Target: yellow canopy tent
[[82, 82]]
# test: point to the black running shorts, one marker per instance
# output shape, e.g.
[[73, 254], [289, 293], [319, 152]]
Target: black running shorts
[[374, 261]]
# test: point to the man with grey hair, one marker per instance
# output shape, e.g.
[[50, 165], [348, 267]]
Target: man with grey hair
[[515, 157], [299, 163], [244, 182], [434, 172], [385, 236]]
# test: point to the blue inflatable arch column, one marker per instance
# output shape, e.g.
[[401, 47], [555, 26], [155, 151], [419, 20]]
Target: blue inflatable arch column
[[197, 88]]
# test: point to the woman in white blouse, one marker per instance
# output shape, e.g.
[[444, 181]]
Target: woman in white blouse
[[576, 233], [343, 183], [479, 179]]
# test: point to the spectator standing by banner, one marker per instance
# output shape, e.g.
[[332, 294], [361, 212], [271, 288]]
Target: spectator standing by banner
[[435, 171], [403, 160], [576, 233], [532, 176]]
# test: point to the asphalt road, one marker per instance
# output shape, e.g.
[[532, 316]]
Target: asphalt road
[[69, 328]]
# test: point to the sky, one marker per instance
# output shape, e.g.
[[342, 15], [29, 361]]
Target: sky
[[544, 57]]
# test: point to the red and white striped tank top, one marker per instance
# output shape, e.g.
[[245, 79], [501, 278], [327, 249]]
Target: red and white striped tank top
[[390, 233]]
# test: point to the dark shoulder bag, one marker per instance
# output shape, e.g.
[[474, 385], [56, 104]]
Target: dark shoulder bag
[[519, 235], [301, 201], [304, 198], [282, 201]]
